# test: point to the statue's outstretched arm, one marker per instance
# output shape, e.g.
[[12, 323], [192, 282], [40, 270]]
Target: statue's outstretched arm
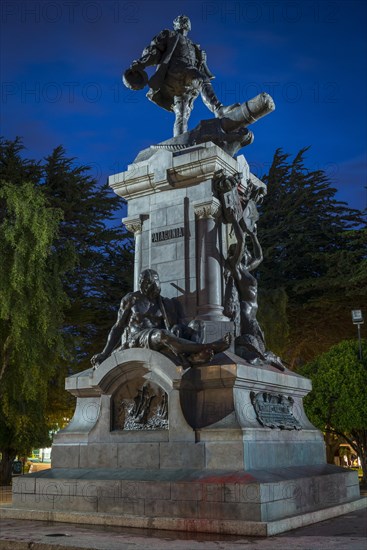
[[240, 244], [257, 253], [115, 332]]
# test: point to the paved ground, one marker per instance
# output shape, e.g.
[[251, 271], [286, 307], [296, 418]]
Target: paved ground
[[348, 532], [343, 533]]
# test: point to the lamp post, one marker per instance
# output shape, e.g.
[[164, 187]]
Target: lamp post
[[357, 319]]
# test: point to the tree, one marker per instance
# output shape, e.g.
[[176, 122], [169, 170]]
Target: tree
[[14, 168], [337, 404], [98, 256], [273, 318], [315, 252], [104, 260], [31, 315], [91, 263]]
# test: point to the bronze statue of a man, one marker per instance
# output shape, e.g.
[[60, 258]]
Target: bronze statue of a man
[[240, 301], [144, 321], [182, 74], [250, 342]]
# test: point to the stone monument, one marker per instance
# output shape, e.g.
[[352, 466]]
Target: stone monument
[[186, 420]]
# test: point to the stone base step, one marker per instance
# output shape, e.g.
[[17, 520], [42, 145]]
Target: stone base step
[[204, 498], [228, 527]]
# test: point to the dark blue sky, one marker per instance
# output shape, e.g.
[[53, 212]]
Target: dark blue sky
[[61, 65]]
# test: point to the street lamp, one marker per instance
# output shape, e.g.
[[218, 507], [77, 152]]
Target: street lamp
[[357, 319]]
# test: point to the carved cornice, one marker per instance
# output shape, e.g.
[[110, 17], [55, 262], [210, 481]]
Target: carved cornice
[[207, 209], [134, 225], [165, 170], [201, 168]]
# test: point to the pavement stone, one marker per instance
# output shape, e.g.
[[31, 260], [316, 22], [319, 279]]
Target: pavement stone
[[348, 532]]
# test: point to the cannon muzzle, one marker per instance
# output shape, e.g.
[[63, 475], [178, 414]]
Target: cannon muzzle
[[248, 112]]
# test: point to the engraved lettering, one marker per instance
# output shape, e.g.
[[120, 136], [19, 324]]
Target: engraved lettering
[[168, 234]]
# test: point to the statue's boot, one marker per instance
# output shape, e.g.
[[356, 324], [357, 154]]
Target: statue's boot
[[212, 102]]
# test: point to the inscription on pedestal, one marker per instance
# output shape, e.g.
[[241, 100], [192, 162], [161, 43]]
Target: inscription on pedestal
[[168, 234], [274, 411]]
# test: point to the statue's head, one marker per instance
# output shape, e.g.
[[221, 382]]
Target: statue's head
[[182, 22], [149, 283]]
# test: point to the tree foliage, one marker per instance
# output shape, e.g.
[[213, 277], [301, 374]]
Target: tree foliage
[[273, 318], [337, 403], [314, 249], [64, 270], [31, 315], [104, 260]]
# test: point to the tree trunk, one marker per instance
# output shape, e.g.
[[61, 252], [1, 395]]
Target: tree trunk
[[363, 460], [361, 449], [332, 443], [358, 441], [8, 455]]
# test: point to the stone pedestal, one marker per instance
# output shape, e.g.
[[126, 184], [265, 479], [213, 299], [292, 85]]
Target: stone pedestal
[[209, 463], [178, 228], [211, 420], [224, 447], [210, 458]]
